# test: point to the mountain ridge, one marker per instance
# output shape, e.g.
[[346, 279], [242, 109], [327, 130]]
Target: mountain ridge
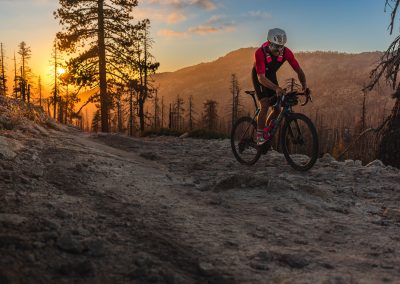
[[335, 78]]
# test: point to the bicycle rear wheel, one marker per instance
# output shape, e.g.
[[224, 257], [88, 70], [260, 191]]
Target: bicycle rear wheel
[[243, 141], [299, 141]]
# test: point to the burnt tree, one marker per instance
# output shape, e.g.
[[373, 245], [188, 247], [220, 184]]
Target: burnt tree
[[388, 68]]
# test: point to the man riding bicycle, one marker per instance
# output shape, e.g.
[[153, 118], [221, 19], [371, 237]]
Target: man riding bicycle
[[268, 59]]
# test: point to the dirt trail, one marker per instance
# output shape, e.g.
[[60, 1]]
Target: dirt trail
[[113, 209]]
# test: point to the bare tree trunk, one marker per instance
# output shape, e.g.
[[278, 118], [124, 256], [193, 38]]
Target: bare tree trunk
[[141, 114], [55, 81], [390, 144], [15, 78], [102, 68], [3, 75]]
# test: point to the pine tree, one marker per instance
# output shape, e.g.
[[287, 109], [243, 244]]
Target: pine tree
[[94, 27], [55, 61], [3, 78], [191, 113], [40, 90], [178, 111], [146, 66], [235, 91], [156, 110], [25, 72], [210, 115]]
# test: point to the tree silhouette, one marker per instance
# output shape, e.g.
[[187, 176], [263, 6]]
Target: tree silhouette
[[210, 115], [145, 65], [388, 68], [25, 52], [94, 27], [3, 78], [235, 91], [191, 113]]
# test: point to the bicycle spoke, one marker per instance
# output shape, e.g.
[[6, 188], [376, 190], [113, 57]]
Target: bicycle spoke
[[243, 141], [300, 142]]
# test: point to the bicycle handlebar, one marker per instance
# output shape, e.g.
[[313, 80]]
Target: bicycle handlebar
[[307, 94]]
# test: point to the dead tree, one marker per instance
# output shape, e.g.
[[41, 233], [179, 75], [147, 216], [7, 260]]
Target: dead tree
[[235, 91], [210, 115], [388, 68], [191, 113], [3, 79]]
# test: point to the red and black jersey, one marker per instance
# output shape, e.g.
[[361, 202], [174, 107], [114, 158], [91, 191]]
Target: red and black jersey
[[268, 64]]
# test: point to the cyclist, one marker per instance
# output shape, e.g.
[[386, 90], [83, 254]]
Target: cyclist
[[268, 59]]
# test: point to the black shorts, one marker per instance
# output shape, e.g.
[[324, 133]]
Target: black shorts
[[263, 92]]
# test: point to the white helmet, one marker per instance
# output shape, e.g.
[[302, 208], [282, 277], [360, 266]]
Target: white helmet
[[277, 36]]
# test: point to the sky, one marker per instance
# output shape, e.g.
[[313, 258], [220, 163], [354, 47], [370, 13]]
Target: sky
[[188, 32]]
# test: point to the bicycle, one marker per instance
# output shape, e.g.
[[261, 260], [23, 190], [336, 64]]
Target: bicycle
[[295, 134]]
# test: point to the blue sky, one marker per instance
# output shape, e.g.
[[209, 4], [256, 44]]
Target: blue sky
[[187, 32]]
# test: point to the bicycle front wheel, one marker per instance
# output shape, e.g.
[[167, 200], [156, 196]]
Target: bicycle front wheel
[[299, 141], [243, 141]]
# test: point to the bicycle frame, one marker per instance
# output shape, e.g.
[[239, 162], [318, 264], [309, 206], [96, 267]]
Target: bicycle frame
[[282, 114]]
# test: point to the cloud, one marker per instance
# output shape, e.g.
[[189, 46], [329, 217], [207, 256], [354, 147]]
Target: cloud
[[215, 19], [197, 30], [176, 17], [171, 33], [259, 14], [181, 4], [160, 16], [205, 4]]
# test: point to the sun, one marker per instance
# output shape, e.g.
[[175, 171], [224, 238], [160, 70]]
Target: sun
[[60, 71]]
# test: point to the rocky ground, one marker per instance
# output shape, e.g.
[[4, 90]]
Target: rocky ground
[[80, 208]]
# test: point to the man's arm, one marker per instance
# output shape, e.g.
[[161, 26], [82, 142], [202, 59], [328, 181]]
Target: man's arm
[[269, 84], [302, 78]]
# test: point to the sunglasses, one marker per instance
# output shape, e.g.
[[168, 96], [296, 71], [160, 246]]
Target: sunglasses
[[275, 46]]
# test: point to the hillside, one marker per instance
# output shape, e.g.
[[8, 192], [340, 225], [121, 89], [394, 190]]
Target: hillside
[[335, 78], [81, 208]]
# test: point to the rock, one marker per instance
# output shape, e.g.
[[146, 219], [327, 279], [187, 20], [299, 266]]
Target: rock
[[327, 158], [7, 154], [41, 130], [349, 163], [392, 213], [8, 148], [34, 172], [50, 224], [206, 268], [67, 243], [150, 156], [376, 163], [12, 219], [357, 163], [96, 247], [184, 135], [259, 265], [15, 242], [77, 268], [294, 261], [62, 214], [5, 176], [24, 179]]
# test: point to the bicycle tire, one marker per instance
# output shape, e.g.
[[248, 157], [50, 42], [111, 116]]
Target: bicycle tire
[[295, 117], [249, 142]]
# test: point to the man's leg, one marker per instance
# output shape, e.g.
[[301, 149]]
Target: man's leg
[[272, 115], [264, 103]]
